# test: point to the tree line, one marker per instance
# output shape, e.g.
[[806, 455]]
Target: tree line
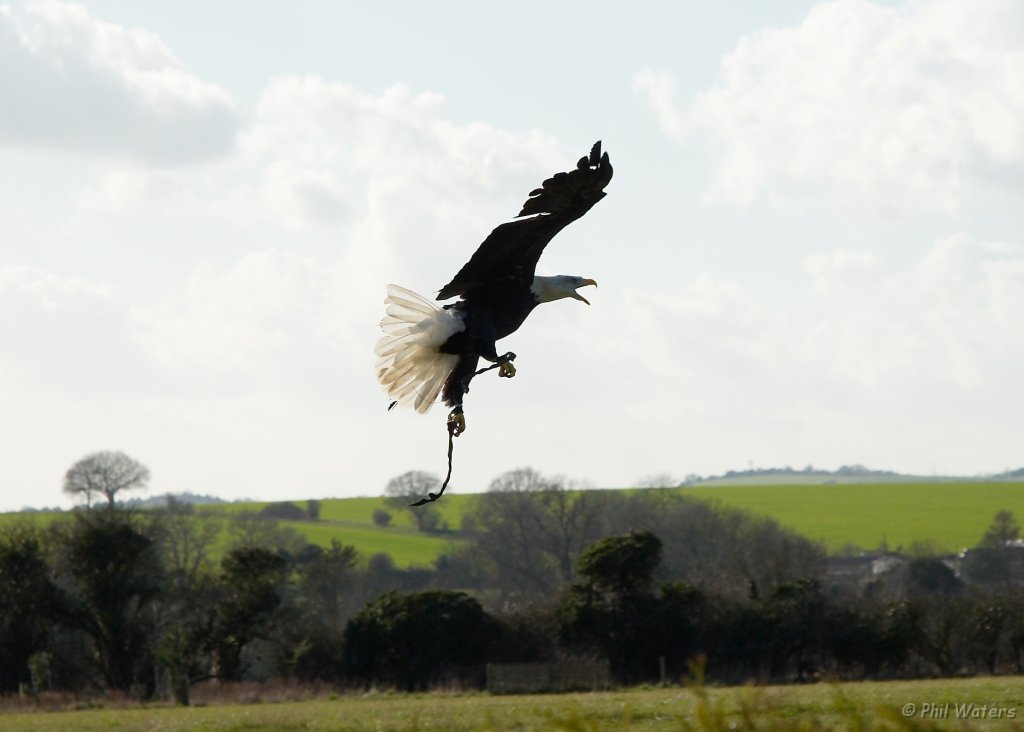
[[114, 599]]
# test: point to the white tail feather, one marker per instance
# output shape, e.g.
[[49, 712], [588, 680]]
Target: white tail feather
[[409, 365]]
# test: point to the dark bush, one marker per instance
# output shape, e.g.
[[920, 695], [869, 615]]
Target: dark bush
[[284, 512], [414, 640]]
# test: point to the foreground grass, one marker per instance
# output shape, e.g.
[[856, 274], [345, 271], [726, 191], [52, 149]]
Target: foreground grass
[[850, 706]]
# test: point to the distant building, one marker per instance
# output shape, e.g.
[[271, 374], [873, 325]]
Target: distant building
[[854, 571]]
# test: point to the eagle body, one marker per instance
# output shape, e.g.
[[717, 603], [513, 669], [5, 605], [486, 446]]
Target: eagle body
[[428, 350]]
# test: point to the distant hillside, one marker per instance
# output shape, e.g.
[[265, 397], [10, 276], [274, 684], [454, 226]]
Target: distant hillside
[[845, 474], [948, 516], [163, 500], [896, 513]]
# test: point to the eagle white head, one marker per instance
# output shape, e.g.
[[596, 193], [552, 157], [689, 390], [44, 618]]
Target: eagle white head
[[547, 289]]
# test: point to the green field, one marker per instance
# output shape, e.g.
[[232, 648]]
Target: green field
[[950, 516], [947, 515], [350, 521], [360, 510], [849, 706], [406, 546]]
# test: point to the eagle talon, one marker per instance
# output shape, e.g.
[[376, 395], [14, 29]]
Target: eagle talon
[[456, 422], [505, 367]]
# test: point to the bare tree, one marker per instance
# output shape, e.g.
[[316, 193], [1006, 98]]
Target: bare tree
[[408, 488], [187, 539], [105, 473], [658, 480], [522, 480], [528, 530], [247, 529]]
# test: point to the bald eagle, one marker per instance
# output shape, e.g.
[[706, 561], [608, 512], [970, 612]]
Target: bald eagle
[[427, 350]]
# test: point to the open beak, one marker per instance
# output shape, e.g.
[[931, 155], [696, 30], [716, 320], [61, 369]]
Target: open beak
[[585, 283]]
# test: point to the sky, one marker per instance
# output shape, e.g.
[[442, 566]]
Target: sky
[[810, 254]]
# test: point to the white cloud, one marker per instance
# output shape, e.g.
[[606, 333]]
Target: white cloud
[[944, 323], [317, 142], [838, 268], [347, 190], [678, 351], [326, 159], [239, 320], [69, 80], [65, 335], [659, 86], [273, 323], [904, 366], [50, 289], [865, 106]]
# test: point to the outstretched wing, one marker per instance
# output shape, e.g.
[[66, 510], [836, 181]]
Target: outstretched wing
[[512, 250]]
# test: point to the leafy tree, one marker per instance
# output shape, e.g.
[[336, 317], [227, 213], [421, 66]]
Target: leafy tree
[[105, 473], [864, 641], [612, 609], [381, 517], [252, 585], [991, 561], [324, 582], [986, 566], [30, 604], [111, 570], [798, 618], [684, 619], [944, 630], [413, 640], [990, 618], [528, 634], [931, 576], [1002, 532], [621, 566], [184, 639], [325, 589]]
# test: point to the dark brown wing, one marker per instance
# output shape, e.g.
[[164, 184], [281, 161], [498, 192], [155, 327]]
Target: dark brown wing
[[511, 251]]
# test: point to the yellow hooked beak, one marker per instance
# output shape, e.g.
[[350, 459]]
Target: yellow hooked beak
[[584, 284]]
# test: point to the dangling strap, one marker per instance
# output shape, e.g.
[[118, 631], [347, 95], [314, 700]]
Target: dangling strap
[[452, 434], [431, 497]]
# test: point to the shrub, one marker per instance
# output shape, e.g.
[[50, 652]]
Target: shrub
[[284, 512]]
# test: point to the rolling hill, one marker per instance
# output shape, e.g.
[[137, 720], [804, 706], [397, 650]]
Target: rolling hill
[[947, 516]]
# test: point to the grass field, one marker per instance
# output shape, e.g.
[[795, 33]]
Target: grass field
[[850, 706], [951, 516], [406, 546], [350, 521], [948, 515], [360, 510]]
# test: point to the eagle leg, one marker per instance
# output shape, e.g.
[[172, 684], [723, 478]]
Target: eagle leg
[[505, 367], [456, 421]]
